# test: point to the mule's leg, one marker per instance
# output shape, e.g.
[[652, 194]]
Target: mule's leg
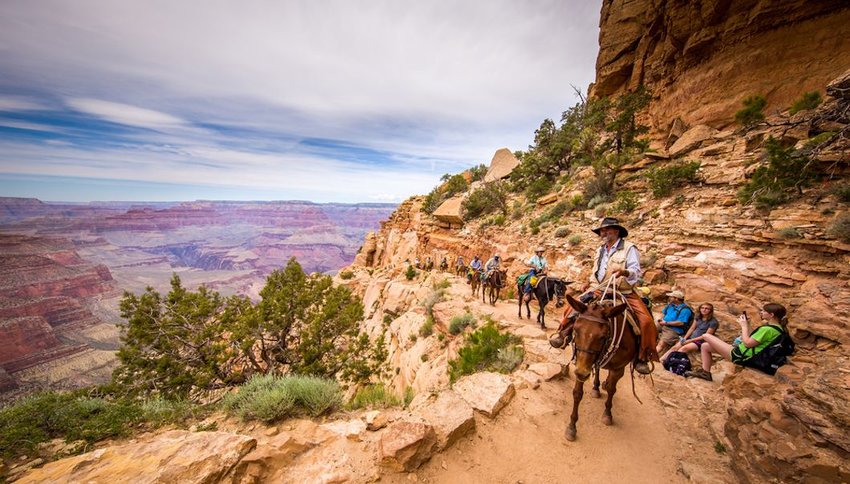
[[519, 303], [595, 392], [611, 388], [578, 393]]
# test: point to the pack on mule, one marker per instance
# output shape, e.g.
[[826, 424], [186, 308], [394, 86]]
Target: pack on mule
[[774, 355], [678, 363]]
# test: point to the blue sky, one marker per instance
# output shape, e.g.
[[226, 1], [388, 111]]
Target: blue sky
[[330, 101]]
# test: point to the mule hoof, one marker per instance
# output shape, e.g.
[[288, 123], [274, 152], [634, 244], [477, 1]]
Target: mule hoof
[[607, 420], [595, 394], [570, 434]]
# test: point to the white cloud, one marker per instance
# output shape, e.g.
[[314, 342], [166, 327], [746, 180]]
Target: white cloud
[[9, 123], [125, 114], [20, 103]]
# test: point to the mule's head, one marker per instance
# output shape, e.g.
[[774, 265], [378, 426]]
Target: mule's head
[[560, 292], [590, 333]]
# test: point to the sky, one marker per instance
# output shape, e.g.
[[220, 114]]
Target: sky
[[329, 101]]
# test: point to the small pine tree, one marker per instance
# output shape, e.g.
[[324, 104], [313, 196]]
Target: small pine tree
[[753, 112]]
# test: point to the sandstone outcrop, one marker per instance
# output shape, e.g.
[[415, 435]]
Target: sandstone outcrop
[[405, 445], [450, 416], [701, 59], [486, 392], [450, 212], [176, 456], [502, 164]]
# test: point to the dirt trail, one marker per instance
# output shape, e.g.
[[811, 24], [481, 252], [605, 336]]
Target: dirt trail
[[525, 442]]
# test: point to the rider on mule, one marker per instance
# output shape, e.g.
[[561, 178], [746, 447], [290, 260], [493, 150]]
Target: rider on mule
[[619, 258], [491, 265], [459, 263], [474, 268], [538, 266]]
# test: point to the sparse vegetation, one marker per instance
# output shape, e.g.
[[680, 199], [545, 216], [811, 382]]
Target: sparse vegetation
[[841, 191], [272, 397], [663, 180], [808, 100], [840, 228], [789, 233], [459, 323], [562, 231], [374, 396], [625, 202], [779, 180], [427, 328], [491, 197], [753, 111], [451, 186], [574, 239], [410, 273], [345, 275], [487, 349]]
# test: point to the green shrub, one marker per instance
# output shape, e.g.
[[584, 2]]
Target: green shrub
[[499, 219], [427, 328], [840, 228], [374, 396], [841, 191], [491, 197], [459, 323], [69, 416], [596, 201], [577, 202], [753, 111], [815, 141], [780, 179], [809, 100], [346, 275], [789, 233], [625, 202], [487, 349], [574, 240], [159, 411], [537, 188], [477, 172], [409, 393], [510, 293], [562, 231], [272, 397], [663, 180], [410, 273]]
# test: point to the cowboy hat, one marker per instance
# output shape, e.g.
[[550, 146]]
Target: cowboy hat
[[539, 249], [677, 294], [611, 222]]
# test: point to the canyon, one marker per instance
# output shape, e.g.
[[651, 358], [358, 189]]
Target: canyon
[[64, 267]]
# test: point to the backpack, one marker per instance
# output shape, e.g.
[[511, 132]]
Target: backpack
[[774, 355], [690, 320], [678, 363]]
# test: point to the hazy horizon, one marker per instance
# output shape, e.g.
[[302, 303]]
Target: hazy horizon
[[328, 101]]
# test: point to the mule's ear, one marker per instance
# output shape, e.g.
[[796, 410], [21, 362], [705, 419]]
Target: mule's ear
[[577, 305], [615, 311]]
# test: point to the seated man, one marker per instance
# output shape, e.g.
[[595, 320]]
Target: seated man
[[538, 266], [491, 265], [675, 321]]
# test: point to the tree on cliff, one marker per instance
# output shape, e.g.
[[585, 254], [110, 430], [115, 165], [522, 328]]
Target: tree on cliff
[[198, 340]]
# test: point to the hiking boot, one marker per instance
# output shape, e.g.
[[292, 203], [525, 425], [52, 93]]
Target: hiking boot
[[642, 367], [700, 373]]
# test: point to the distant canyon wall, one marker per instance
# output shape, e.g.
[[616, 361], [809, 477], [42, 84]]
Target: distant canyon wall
[[700, 59]]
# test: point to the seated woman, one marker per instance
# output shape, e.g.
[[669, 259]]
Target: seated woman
[[751, 343], [704, 323]]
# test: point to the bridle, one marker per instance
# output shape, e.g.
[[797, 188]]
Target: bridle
[[612, 340]]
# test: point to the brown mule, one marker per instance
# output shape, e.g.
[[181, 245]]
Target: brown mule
[[602, 339]]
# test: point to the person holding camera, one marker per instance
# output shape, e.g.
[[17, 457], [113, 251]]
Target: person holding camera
[[772, 315]]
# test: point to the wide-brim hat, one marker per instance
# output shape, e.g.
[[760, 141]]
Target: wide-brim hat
[[539, 249], [611, 222], [677, 294]]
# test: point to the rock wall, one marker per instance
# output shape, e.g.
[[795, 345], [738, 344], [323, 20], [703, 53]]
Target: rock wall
[[701, 59]]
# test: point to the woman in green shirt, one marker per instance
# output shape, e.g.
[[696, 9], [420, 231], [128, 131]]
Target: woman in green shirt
[[750, 345]]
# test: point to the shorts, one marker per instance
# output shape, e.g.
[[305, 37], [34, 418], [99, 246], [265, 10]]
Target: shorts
[[669, 336], [698, 342]]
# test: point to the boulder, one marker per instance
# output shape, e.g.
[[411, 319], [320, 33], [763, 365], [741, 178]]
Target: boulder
[[547, 199], [486, 392], [350, 429], [450, 211], [547, 371], [502, 165], [692, 139], [375, 420], [404, 445], [840, 86], [451, 417], [175, 456]]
